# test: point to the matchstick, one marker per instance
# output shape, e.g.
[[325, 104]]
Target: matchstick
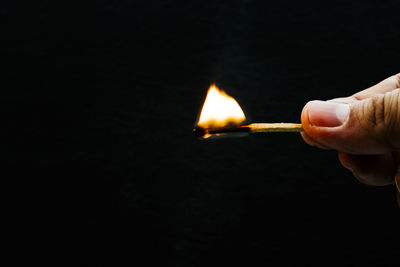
[[249, 128], [275, 127]]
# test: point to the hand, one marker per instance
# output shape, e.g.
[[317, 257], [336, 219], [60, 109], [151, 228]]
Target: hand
[[364, 128]]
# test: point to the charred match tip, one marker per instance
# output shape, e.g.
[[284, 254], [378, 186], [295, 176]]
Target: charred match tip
[[199, 131]]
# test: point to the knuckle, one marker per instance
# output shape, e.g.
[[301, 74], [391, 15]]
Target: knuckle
[[394, 81], [382, 113], [391, 116], [363, 179], [397, 79], [373, 110], [376, 179]]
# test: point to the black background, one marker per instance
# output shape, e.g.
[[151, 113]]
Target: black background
[[99, 163]]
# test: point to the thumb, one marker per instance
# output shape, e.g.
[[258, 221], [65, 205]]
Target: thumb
[[368, 126]]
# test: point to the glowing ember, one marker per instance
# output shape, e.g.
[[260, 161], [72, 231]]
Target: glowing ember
[[220, 110]]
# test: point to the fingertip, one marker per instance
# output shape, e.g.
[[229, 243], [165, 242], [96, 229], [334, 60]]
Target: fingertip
[[305, 121], [309, 131], [310, 141], [397, 182], [351, 163], [346, 161], [369, 169], [304, 115], [325, 123]]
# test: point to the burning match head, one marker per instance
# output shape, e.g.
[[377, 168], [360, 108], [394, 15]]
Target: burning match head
[[220, 110], [221, 114]]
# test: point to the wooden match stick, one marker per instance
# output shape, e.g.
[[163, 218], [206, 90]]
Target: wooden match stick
[[275, 127], [249, 128]]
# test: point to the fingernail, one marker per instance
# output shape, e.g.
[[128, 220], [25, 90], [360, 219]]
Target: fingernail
[[327, 114]]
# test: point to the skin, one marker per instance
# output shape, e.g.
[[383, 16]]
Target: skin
[[368, 140]]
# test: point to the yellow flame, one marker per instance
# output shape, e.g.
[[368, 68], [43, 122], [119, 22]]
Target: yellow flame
[[220, 109]]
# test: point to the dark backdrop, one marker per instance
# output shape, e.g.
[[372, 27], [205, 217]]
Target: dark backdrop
[[99, 163]]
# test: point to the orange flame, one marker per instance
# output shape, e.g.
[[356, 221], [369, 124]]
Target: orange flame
[[220, 109]]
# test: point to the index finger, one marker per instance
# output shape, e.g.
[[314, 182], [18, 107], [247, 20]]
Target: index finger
[[384, 86], [387, 85]]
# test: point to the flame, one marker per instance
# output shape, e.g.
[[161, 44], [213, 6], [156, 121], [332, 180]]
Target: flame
[[220, 109]]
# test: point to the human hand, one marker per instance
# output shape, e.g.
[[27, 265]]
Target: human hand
[[364, 128]]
